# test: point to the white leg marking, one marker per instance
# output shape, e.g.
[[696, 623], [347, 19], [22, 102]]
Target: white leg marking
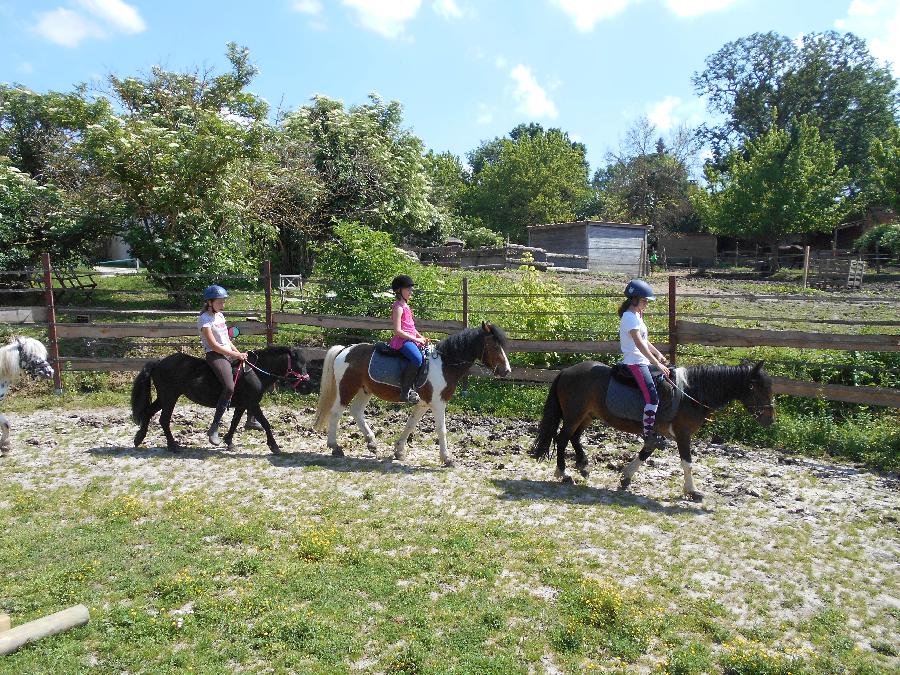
[[688, 477], [414, 417], [340, 368], [632, 467], [357, 408]]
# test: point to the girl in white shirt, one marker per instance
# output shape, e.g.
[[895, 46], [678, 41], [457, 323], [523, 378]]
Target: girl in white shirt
[[638, 354]]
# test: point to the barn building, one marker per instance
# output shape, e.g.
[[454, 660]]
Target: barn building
[[596, 245]]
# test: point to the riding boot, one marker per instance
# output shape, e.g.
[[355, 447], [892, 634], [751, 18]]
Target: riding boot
[[407, 380], [253, 424], [213, 432], [651, 438]]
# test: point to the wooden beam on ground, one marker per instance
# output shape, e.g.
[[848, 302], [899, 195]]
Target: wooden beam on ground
[[159, 329], [721, 336], [18, 637]]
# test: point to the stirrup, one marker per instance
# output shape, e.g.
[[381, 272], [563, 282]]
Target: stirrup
[[413, 397], [655, 440]]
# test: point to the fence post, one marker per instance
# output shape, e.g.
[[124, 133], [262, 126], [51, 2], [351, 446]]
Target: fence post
[[51, 324], [673, 339], [805, 266], [270, 328], [465, 319]]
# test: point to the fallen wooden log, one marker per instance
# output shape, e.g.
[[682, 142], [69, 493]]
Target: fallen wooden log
[[15, 638]]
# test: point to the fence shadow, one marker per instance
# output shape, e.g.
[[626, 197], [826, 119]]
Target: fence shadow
[[535, 490], [287, 459]]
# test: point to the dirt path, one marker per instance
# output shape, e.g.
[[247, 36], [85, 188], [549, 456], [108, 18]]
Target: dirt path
[[778, 538]]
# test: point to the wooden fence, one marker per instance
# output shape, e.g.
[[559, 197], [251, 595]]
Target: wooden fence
[[680, 332]]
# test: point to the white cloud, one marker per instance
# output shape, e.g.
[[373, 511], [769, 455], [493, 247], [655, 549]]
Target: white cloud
[[25, 67], [878, 22], [119, 15], [385, 17], [533, 100], [672, 111], [447, 9], [586, 13], [308, 6], [691, 8], [67, 28]]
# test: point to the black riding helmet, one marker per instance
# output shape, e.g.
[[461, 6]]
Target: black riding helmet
[[402, 281]]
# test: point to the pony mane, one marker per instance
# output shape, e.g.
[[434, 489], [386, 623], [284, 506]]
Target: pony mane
[[717, 385], [467, 344], [11, 355]]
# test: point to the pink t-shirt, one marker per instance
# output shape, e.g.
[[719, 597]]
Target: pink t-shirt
[[406, 324]]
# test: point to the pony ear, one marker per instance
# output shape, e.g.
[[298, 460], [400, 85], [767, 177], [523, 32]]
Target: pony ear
[[757, 368]]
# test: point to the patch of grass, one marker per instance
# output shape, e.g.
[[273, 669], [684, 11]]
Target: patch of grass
[[694, 658]]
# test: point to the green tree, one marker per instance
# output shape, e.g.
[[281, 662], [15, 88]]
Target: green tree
[[886, 171], [52, 195], [766, 80], [647, 181], [182, 158], [782, 182], [534, 176], [370, 168]]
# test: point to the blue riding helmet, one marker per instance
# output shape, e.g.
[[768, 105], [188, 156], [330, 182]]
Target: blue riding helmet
[[637, 288], [214, 292]]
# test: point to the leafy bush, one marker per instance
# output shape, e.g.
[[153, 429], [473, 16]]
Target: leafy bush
[[885, 236]]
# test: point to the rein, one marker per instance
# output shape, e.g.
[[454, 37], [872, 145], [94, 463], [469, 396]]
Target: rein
[[290, 375]]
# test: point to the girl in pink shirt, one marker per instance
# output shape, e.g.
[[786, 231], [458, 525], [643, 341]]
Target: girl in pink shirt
[[407, 340]]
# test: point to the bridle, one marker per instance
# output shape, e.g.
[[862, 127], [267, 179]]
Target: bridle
[[31, 364], [293, 377], [472, 362]]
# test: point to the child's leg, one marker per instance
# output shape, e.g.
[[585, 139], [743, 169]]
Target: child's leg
[[645, 382], [413, 355]]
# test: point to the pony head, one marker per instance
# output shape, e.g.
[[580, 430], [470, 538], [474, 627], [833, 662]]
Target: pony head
[[25, 354]]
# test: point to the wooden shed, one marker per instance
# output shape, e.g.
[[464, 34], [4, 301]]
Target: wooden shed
[[605, 246]]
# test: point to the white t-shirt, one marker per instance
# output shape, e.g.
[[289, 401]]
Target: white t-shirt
[[216, 322], [630, 321]]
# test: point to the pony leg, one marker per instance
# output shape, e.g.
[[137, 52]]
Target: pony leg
[[333, 418], [235, 420], [415, 416], [357, 408], [636, 464], [684, 450], [257, 412], [5, 446], [141, 434], [562, 440], [581, 459], [440, 422], [165, 420]]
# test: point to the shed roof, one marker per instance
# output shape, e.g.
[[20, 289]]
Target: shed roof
[[574, 223]]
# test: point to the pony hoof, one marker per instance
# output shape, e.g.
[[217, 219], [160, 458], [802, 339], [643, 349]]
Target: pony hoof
[[399, 455], [694, 496], [449, 462], [372, 447], [275, 449], [583, 470], [624, 483], [337, 452], [567, 480], [229, 447], [138, 439]]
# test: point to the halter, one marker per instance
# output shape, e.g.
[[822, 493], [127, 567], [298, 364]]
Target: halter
[[467, 363], [29, 363], [290, 375]]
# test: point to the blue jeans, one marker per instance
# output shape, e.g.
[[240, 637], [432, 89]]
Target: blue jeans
[[411, 352]]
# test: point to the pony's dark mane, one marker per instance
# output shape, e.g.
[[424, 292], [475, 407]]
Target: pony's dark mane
[[468, 344], [717, 385]]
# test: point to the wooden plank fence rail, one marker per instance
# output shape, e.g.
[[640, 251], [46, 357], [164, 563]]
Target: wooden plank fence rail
[[721, 336], [160, 329], [362, 322]]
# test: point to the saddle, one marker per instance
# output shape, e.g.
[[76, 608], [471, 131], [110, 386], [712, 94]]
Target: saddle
[[387, 365], [624, 398]]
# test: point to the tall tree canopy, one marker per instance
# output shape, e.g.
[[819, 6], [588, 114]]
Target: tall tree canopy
[[767, 80], [647, 181], [781, 182], [534, 176]]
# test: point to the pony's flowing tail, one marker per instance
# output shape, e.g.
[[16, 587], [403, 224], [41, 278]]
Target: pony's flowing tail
[[327, 390], [140, 393], [549, 423]]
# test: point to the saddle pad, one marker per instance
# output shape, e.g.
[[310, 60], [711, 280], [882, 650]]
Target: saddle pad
[[388, 369], [628, 402]]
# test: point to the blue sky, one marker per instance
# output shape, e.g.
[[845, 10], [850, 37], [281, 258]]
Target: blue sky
[[464, 70]]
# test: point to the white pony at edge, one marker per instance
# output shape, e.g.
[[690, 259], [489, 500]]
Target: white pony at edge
[[21, 355]]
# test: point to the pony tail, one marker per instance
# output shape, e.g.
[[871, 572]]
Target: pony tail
[[626, 303], [140, 393], [549, 423], [328, 390]]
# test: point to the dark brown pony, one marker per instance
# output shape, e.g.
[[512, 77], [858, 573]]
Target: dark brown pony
[[578, 396], [346, 382]]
